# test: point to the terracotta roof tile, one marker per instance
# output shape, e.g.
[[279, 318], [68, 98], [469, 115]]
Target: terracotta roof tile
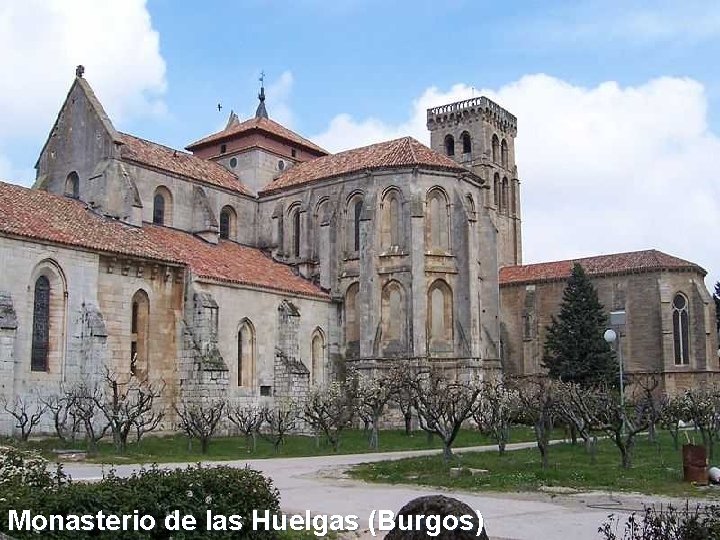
[[616, 263], [404, 152], [45, 217], [179, 162], [259, 124]]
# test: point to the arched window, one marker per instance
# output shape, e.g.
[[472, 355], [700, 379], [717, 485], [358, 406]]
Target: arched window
[[466, 142], [391, 223], [162, 207], [354, 214], [72, 185], [495, 149], [318, 357], [139, 333], [513, 197], [449, 145], [41, 325], [504, 201], [393, 317], [440, 316], [504, 153], [293, 237], [352, 318], [228, 223], [496, 191], [320, 217], [470, 206], [296, 233], [437, 221], [681, 332], [246, 354]]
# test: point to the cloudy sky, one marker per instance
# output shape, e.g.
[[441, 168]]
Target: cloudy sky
[[618, 103]]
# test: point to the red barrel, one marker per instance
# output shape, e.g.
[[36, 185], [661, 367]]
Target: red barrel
[[695, 464]]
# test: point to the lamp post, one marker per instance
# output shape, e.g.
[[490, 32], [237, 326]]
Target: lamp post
[[617, 320]]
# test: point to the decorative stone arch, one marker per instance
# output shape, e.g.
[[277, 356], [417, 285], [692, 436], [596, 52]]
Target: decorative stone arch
[[437, 220], [317, 356], [391, 219], [681, 328], [504, 156], [246, 354], [228, 223], [449, 145], [352, 318], [72, 185], [162, 206], [353, 214], [440, 317], [470, 206], [48, 313], [504, 195], [139, 334], [466, 142], [496, 191], [320, 217], [495, 149], [393, 319], [294, 232]]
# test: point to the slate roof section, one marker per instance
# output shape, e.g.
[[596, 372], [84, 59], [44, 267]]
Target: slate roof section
[[144, 152], [602, 265], [44, 217], [403, 152], [261, 124]]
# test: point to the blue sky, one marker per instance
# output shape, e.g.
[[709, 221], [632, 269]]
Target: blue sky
[[618, 103]]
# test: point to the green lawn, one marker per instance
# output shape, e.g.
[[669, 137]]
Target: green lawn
[[657, 469], [175, 448]]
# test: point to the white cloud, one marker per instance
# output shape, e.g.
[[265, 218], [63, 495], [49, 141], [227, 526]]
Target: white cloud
[[603, 169], [278, 97], [43, 40]]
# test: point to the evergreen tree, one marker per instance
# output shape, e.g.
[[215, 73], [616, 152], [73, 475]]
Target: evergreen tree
[[575, 349], [716, 297]]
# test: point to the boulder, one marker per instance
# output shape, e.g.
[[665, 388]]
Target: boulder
[[435, 505]]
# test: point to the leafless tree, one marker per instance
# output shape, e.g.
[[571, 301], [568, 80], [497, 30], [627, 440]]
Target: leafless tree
[[330, 410], [569, 406], [278, 421], [201, 420], [65, 419], [27, 411], [702, 406], [495, 410], [672, 412], [84, 399], [403, 378], [443, 404], [538, 398], [129, 404], [247, 418], [373, 394], [645, 394]]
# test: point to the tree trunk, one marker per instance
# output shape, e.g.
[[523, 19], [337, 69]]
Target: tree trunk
[[447, 452], [204, 444], [626, 458], [501, 447], [408, 423], [374, 437], [573, 434]]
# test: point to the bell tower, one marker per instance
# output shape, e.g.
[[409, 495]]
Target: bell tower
[[480, 135]]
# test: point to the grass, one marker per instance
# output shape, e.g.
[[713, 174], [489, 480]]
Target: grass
[[657, 469], [155, 449]]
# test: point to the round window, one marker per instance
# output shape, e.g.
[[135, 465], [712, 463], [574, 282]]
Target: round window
[[281, 165], [233, 162]]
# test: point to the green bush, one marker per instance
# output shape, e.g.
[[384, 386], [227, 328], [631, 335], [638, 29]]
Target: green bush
[[665, 523], [154, 492]]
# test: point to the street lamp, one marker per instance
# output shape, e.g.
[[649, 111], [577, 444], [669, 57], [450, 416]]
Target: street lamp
[[617, 319]]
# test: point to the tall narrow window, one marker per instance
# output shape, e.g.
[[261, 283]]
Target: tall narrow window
[[246, 354], [466, 142], [513, 197], [296, 233], [41, 325], [449, 145], [72, 185], [228, 220], [354, 215], [496, 191], [390, 223], [352, 314], [681, 332], [437, 222], [159, 209], [393, 317], [504, 200], [440, 316], [139, 333], [318, 354], [504, 154], [495, 149]]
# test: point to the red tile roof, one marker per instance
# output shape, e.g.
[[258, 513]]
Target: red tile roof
[[258, 124], [42, 216], [146, 152], [602, 265], [404, 152]]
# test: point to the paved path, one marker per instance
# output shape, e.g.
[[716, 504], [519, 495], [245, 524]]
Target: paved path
[[317, 484]]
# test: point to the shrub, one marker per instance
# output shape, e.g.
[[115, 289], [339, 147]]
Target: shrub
[[665, 523], [157, 493]]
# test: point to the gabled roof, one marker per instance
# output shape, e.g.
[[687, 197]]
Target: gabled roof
[[261, 124], [47, 218], [144, 152], [601, 265], [404, 152]]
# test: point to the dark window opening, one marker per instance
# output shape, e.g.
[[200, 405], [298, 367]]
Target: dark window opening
[[466, 143], [224, 224], [296, 233], [233, 163], [293, 152], [41, 326], [72, 186], [356, 223], [159, 209], [681, 332], [449, 145], [266, 390], [223, 148]]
